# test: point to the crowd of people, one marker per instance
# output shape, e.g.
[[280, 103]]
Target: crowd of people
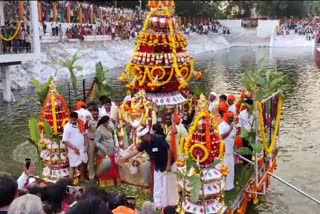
[[308, 27], [206, 28], [116, 22], [64, 197], [89, 137]]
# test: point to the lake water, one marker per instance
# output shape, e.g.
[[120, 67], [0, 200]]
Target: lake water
[[299, 133]]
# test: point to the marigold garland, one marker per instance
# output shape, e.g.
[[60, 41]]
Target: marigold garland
[[203, 148], [54, 116], [208, 135], [269, 148], [13, 36]]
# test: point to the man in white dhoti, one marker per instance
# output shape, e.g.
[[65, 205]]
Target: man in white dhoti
[[160, 155], [228, 133], [75, 139]]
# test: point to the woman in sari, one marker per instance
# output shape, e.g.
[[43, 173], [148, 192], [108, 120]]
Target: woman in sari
[[105, 145]]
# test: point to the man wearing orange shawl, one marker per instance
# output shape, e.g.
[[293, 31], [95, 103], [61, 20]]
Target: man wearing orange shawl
[[228, 133], [75, 139]]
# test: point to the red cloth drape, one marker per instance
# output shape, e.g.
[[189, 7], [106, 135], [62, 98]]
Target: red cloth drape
[[113, 173]]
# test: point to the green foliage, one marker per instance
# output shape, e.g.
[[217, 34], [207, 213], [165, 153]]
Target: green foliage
[[196, 183], [102, 86], [34, 133], [238, 9], [206, 9], [282, 9], [42, 89], [263, 82], [72, 68], [251, 138], [34, 129], [47, 129]]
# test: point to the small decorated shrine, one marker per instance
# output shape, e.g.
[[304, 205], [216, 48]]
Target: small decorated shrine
[[53, 153], [204, 145]]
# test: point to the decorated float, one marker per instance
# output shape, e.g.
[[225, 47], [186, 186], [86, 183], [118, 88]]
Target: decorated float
[[159, 71], [161, 68], [46, 134]]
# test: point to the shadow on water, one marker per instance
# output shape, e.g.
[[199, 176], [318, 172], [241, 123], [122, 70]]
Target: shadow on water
[[299, 134]]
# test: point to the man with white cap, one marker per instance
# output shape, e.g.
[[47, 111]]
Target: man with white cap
[[213, 102], [159, 153]]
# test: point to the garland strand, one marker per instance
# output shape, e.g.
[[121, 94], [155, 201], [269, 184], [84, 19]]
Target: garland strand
[[54, 116], [269, 148], [13, 36]]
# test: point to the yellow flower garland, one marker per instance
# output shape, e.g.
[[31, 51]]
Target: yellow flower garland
[[204, 149], [269, 148], [65, 121], [13, 36], [54, 116]]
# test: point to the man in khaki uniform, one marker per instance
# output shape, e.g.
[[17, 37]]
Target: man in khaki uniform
[[92, 125]]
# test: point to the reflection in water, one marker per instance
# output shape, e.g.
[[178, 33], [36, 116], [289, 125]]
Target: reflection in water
[[299, 136]]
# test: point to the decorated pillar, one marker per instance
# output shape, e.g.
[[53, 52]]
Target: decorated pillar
[[35, 28], [21, 10], [55, 12], [80, 14], [2, 18], [39, 11], [101, 15], [91, 14], [68, 14]]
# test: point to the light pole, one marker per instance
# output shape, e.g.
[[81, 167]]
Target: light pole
[[115, 3], [140, 5]]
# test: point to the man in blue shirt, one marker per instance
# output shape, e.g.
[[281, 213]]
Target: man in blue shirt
[[160, 155]]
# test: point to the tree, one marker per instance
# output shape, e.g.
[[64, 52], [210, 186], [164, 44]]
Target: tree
[[198, 9], [72, 68], [282, 8], [238, 9]]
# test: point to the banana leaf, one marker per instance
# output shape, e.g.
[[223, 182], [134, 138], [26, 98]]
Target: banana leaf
[[195, 181], [34, 130], [244, 151], [47, 129]]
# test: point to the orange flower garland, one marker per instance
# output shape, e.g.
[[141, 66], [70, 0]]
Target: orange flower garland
[[208, 135], [173, 144]]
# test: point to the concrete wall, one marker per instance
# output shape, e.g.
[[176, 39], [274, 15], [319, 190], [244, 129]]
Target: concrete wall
[[233, 24], [266, 27]]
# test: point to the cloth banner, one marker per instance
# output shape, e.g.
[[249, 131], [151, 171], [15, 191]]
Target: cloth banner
[[166, 99]]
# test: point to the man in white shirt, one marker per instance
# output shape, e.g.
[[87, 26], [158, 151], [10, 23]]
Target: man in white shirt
[[75, 139], [247, 120], [228, 133], [108, 108], [213, 102], [232, 105]]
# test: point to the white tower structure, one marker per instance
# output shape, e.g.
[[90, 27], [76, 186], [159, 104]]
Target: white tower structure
[[8, 58]]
